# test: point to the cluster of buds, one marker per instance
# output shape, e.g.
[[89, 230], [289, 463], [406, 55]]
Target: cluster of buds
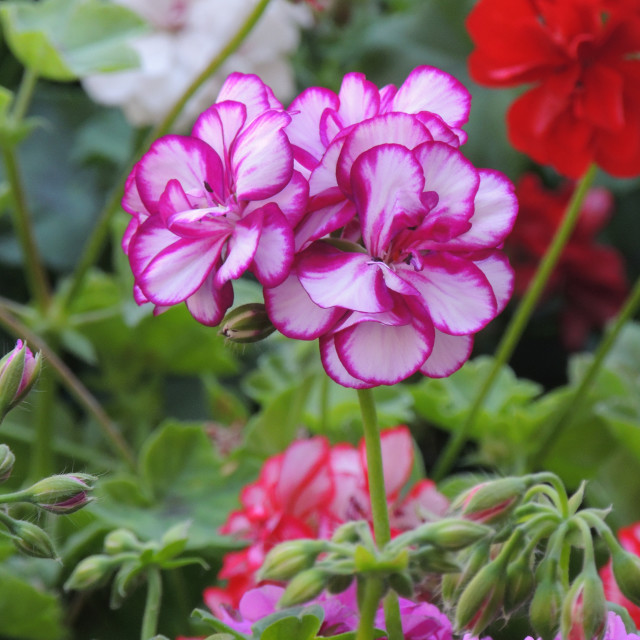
[[19, 370], [539, 528], [131, 559]]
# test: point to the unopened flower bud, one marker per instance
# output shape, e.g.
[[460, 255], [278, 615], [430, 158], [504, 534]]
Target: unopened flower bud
[[349, 531], [7, 460], [473, 559], [401, 583], [289, 558], [520, 580], [546, 605], [247, 323], [339, 583], [32, 540], [304, 587], [433, 560], [62, 494], [450, 533], [121, 541], [493, 500], [584, 610], [91, 572], [19, 370], [626, 571]]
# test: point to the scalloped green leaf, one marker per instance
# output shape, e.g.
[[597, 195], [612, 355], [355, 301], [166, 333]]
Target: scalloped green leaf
[[68, 39]]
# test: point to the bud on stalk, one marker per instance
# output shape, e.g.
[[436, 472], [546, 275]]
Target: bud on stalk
[[289, 558], [32, 540], [7, 460], [584, 610], [91, 572], [626, 571], [19, 371], [61, 494], [247, 323], [304, 587], [493, 500]]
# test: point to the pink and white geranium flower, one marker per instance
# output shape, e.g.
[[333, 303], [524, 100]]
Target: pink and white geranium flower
[[210, 206], [404, 289]]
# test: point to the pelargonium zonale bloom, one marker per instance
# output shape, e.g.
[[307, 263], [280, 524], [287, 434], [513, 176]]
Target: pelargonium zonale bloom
[[209, 206], [581, 56], [416, 274]]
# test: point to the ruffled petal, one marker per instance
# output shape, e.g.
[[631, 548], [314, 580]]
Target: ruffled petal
[[334, 367], [499, 273], [209, 303], [251, 91], [448, 355], [241, 248], [274, 254], [219, 125]]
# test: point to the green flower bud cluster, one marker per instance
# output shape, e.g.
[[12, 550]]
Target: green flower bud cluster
[[129, 560], [526, 562]]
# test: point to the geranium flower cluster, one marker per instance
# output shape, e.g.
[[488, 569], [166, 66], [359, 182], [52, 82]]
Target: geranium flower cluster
[[590, 277], [581, 56], [357, 212], [308, 491]]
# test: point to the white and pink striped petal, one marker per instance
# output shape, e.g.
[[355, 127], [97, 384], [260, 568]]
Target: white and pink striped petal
[[448, 355], [248, 89], [274, 254], [210, 302]]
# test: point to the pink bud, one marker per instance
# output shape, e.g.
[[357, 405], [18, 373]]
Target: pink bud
[[19, 370]]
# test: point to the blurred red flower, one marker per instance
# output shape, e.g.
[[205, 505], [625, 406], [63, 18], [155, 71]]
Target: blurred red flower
[[589, 277], [630, 539], [581, 56]]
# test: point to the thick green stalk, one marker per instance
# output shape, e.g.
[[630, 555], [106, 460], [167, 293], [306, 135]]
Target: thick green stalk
[[370, 601], [518, 322], [564, 417], [96, 241], [152, 604], [378, 497]]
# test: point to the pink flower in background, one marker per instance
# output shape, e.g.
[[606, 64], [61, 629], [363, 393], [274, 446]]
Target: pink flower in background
[[208, 207], [309, 490]]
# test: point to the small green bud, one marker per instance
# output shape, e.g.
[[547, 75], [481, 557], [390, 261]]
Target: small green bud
[[289, 558], [401, 583], [493, 500], [432, 560], [626, 571], [546, 605], [32, 540], [62, 494], [339, 583], [520, 581], [349, 532], [451, 533], [19, 371], [247, 323], [91, 572], [304, 587], [121, 541], [473, 559], [7, 460], [584, 610]]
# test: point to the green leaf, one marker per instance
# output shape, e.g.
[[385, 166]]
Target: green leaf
[[27, 613], [68, 39], [303, 628]]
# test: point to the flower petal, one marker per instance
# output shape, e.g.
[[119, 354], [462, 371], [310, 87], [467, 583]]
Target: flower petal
[[241, 248], [293, 312], [384, 354], [219, 125], [334, 367], [499, 273], [274, 254], [248, 89], [209, 303], [448, 355]]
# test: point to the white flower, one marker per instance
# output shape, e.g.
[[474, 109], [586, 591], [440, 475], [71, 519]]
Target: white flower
[[185, 35]]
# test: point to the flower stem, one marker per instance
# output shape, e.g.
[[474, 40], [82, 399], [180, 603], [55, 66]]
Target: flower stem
[[23, 97], [518, 322], [378, 497], [152, 604], [73, 385], [564, 417], [101, 230], [35, 273], [372, 595]]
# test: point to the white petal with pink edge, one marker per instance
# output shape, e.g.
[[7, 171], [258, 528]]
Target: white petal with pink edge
[[387, 183], [262, 158], [320, 223], [498, 271], [359, 99], [149, 239], [304, 130], [429, 89], [292, 200], [178, 271], [392, 128], [456, 293], [242, 246], [188, 160], [448, 355], [131, 201], [334, 367], [383, 354], [495, 210], [251, 91], [303, 487], [209, 303], [334, 278], [219, 125], [293, 312], [274, 254]]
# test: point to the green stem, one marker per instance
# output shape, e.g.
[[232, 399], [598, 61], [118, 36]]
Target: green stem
[[517, 323], [25, 92], [378, 497], [369, 608], [73, 385], [392, 617], [100, 232], [564, 418], [35, 273], [152, 604]]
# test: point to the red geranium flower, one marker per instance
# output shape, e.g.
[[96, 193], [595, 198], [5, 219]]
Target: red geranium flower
[[630, 539], [589, 277], [582, 58]]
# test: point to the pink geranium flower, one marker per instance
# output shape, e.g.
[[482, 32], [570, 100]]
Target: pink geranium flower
[[208, 207], [309, 490]]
